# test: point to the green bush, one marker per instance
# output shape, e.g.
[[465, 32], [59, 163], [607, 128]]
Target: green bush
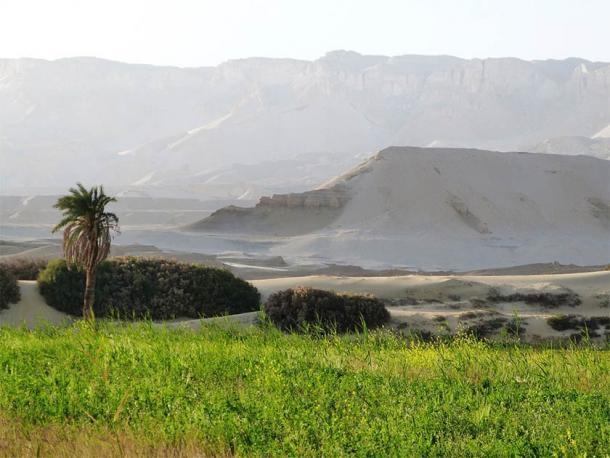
[[63, 287], [584, 325], [25, 269], [564, 322], [135, 288], [9, 289], [544, 299], [300, 308]]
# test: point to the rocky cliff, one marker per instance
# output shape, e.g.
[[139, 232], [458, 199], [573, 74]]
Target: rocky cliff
[[148, 127]]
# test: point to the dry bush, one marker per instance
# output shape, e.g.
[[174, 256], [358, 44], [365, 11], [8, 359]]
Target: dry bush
[[543, 299], [25, 269], [590, 325], [299, 309]]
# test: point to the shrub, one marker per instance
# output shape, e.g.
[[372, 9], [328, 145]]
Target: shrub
[[159, 289], [62, 287], [543, 299], [486, 328], [9, 289], [297, 309], [579, 323], [25, 269], [564, 322]]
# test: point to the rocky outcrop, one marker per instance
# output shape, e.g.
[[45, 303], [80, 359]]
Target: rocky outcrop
[[300, 213], [323, 198]]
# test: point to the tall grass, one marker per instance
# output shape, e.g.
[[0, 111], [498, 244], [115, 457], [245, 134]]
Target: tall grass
[[231, 391]]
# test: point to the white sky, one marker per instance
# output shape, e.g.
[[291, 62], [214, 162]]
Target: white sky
[[206, 32]]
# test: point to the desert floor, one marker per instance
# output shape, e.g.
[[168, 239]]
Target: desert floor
[[430, 305]]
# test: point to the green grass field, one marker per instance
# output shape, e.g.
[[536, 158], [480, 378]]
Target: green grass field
[[141, 390]]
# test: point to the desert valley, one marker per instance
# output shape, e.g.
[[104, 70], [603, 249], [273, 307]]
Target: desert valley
[[352, 254], [261, 184]]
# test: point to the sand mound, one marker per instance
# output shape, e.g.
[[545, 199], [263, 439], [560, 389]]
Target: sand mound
[[486, 305], [536, 306], [438, 208]]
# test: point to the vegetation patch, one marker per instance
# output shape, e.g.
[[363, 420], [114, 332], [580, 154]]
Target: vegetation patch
[[585, 325], [141, 390], [514, 327], [478, 302], [25, 269], [604, 300], [565, 322], [301, 309], [486, 328], [543, 299], [471, 315], [135, 288], [9, 288]]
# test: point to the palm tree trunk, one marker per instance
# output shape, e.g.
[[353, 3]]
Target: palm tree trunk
[[89, 295]]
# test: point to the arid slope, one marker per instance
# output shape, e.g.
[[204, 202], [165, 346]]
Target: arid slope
[[442, 208]]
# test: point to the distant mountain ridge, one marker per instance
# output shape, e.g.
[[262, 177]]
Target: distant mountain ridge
[[597, 146], [150, 128]]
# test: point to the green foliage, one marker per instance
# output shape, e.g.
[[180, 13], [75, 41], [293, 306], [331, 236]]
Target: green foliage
[[85, 205], [135, 288], [62, 286], [259, 392], [25, 269], [9, 289], [301, 308], [592, 325], [564, 322]]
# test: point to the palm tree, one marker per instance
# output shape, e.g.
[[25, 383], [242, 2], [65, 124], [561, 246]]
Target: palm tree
[[87, 234]]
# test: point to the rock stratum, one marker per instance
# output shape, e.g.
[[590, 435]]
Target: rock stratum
[[281, 214], [441, 208]]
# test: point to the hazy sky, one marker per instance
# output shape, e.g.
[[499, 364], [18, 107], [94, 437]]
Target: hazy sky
[[206, 32]]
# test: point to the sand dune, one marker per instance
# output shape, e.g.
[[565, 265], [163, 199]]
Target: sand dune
[[437, 288], [488, 305]]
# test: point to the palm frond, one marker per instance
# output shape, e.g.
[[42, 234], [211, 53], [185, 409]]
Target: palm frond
[[88, 228]]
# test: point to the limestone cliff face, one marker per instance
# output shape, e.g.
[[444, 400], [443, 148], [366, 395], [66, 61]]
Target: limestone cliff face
[[322, 198], [440, 194], [299, 212], [249, 111]]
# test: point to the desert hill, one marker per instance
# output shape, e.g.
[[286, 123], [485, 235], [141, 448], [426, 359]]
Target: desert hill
[[196, 132], [442, 208]]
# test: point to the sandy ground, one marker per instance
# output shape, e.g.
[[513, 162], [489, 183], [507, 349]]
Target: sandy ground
[[446, 304], [489, 305], [32, 311]]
